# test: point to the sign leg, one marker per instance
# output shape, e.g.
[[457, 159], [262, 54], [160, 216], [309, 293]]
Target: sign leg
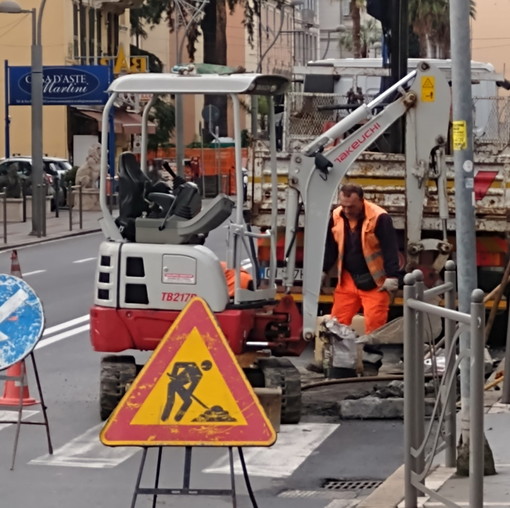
[[43, 405], [232, 476], [247, 478], [139, 477], [156, 481]]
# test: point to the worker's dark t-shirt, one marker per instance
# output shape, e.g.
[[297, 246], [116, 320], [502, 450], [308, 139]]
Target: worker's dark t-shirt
[[353, 260]]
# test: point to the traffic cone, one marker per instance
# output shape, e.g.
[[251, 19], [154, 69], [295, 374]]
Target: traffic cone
[[16, 390], [15, 267]]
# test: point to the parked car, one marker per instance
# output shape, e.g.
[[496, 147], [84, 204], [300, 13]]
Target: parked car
[[54, 168]]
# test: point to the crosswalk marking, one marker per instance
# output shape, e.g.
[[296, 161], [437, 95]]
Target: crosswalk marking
[[293, 446], [86, 451], [13, 415]]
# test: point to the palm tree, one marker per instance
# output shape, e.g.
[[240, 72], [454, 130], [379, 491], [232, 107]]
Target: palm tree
[[370, 32], [430, 20]]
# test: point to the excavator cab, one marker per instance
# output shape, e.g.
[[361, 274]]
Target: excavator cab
[[153, 259]]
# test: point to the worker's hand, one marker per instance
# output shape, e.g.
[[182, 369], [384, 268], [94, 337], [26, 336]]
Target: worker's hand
[[390, 285]]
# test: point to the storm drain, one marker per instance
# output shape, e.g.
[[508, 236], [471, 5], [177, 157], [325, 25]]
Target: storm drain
[[335, 489], [351, 485]]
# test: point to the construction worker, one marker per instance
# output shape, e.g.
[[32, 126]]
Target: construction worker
[[361, 238], [230, 276]]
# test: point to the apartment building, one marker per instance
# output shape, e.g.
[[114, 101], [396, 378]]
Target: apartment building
[[73, 32]]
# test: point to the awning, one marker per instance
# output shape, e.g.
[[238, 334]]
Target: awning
[[124, 122]]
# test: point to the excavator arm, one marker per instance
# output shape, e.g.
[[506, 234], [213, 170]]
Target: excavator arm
[[315, 173]]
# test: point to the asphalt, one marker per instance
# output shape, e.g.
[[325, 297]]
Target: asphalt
[[391, 493]]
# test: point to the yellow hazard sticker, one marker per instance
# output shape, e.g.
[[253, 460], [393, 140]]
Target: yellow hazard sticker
[[459, 134], [428, 88]]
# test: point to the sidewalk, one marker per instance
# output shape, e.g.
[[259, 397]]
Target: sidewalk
[[18, 233], [444, 480]]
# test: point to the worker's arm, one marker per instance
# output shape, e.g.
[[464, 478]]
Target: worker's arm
[[387, 237], [331, 250]]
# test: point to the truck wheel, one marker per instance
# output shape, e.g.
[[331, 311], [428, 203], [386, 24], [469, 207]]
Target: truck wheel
[[280, 372], [117, 372]]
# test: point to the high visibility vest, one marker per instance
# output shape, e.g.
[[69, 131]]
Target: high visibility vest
[[230, 276], [369, 242]]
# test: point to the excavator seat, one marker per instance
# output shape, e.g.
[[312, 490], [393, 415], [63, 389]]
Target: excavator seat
[[139, 196], [135, 188], [175, 230]]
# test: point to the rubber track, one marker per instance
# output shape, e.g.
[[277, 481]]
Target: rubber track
[[280, 372]]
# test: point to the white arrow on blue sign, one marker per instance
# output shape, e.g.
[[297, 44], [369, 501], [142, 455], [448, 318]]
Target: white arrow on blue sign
[[21, 320]]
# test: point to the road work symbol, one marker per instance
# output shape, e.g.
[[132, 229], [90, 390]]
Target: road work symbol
[[21, 320], [184, 378], [191, 392]]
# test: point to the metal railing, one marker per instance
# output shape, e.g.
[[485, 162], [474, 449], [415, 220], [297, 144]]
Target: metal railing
[[421, 444]]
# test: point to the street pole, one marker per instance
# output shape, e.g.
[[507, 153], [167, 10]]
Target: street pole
[[36, 86], [464, 208], [179, 120], [38, 192]]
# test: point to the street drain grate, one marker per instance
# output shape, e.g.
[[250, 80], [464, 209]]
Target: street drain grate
[[351, 485]]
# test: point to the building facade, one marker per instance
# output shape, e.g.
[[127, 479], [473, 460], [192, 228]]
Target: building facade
[[81, 32]]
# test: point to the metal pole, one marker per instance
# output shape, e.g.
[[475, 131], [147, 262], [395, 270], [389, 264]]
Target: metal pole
[[419, 374], [179, 118], [476, 435], [464, 182], [80, 206], [449, 327], [505, 397], [7, 147], [4, 208], [37, 116], [410, 493]]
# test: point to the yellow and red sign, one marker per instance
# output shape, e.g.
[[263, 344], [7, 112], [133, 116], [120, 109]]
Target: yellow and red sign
[[191, 392]]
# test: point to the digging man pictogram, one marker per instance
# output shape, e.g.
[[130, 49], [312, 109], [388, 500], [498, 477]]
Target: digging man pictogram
[[184, 378]]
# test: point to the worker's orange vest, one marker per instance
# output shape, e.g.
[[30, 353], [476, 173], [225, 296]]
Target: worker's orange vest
[[230, 275], [369, 242]]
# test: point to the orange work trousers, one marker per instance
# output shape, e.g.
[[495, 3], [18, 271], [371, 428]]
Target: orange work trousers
[[348, 300]]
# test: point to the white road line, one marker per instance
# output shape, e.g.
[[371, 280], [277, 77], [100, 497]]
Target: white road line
[[33, 272], [87, 451], [62, 336], [67, 324], [294, 444], [13, 415], [85, 260], [10, 306]]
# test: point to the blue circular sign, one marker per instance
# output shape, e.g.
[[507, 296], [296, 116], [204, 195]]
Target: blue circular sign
[[21, 320]]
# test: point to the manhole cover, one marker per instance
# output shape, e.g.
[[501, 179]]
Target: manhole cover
[[352, 485]]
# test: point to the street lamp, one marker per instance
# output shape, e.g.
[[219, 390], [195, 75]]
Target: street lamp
[[36, 76]]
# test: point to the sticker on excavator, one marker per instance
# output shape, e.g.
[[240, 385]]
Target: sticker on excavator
[[191, 392], [265, 273], [428, 89]]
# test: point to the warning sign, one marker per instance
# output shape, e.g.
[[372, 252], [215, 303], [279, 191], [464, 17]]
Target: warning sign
[[191, 392], [459, 134], [428, 88]]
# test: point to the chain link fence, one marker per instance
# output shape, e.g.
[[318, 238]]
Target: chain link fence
[[307, 115]]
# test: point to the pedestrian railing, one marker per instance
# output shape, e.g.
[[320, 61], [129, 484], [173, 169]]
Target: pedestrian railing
[[423, 442]]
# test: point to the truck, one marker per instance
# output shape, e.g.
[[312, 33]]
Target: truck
[[419, 195], [154, 260]]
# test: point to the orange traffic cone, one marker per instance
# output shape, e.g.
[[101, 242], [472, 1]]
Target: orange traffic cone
[[16, 389], [15, 267]]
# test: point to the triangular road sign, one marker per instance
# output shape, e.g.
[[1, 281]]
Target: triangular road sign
[[191, 392]]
